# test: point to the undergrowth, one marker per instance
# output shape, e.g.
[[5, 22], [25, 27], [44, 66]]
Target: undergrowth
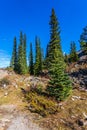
[[41, 105]]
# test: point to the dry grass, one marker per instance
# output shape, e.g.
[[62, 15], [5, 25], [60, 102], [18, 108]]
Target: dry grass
[[66, 114], [71, 111]]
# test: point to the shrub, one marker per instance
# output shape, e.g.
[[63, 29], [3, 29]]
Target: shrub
[[4, 81], [41, 105]]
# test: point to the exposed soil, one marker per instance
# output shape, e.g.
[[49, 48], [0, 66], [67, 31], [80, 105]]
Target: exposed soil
[[12, 119]]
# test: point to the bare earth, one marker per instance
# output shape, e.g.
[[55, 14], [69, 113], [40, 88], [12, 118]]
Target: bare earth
[[13, 119]]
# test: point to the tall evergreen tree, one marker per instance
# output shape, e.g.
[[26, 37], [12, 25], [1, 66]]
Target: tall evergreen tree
[[38, 58], [54, 37], [59, 85], [83, 40], [31, 65], [66, 58], [42, 59], [14, 59], [21, 64], [46, 61], [25, 54], [73, 55]]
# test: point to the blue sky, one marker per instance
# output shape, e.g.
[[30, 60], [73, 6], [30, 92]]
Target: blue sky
[[32, 17]]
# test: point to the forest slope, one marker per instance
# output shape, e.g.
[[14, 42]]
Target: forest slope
[[72, 114]]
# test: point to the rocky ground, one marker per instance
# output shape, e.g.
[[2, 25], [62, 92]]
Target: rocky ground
[[11, 117], [15, 116], [78, 74]]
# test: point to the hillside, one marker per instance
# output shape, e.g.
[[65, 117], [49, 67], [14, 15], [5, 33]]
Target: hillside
[[67, 115]]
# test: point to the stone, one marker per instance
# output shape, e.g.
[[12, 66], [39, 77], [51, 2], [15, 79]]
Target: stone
[[80, 122], [4, 85], [6, 93], [85, 123]]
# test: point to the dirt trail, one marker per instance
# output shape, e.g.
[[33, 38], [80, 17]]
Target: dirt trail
[[11, 119]]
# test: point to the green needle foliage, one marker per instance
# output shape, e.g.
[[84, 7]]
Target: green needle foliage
[[14, 59], [22, 68], [73, 55], [38, 58], [25, 55], [66, 58], [83, 40], [59, 85], [31, 65]]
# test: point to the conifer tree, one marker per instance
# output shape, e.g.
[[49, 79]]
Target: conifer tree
[[31, 65], [14, 59], [21, 55], [42, 59], [66, 58], [25, 54], [54, 37], [22, 62], [38, 58], [83, 40], [73, 55], [59, 85], [46, 61]]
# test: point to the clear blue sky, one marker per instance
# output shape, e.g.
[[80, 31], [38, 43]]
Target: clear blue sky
[[32, 17]]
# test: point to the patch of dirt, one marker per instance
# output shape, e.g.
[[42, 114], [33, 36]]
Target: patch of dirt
[[12, 119]]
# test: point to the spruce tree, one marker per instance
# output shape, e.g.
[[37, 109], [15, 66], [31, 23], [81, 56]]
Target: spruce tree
[[73, 55], [83, 40], [21, 56], [14, 59], [54, 37], [38, 58], [59, 85], [31, 65], [66, 58], [22, 61], [25, 54], [46, 61]]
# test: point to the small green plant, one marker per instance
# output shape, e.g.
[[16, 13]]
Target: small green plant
[[39, 89]]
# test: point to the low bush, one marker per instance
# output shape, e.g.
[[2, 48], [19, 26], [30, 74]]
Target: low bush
[[41, 105], [4, 81]]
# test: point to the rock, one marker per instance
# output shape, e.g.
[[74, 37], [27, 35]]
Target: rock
[[4, 86], [76, 97], [82, 83], [80, 122], [76, 66], [6, 93], [85, 123], [84, 115], [16, 86], [72, 99]]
